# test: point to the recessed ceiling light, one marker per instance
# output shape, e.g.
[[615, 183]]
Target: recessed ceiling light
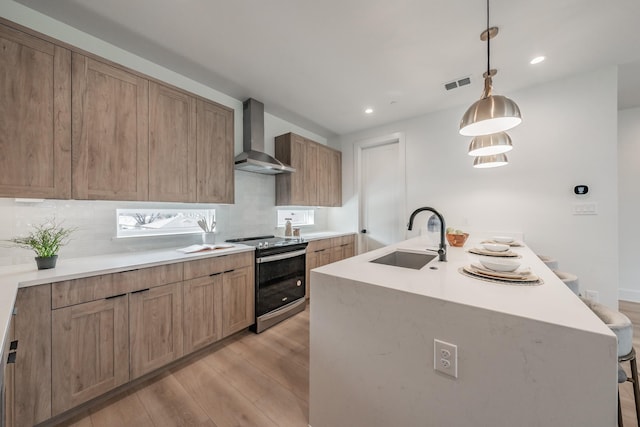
[[368, 110], [537, 60]]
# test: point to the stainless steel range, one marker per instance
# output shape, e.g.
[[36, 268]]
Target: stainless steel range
[[280, 278]]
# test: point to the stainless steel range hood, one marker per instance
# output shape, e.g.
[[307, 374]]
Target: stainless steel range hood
[[253, 158]]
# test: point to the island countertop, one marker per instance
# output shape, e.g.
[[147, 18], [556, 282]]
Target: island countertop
[[523, 355], [551, 302]]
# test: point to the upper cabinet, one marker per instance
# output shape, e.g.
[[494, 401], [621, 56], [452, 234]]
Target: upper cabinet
[[73, 125], [214, 163], [317, 180], [110, 132], [35, 117], [172, 145]]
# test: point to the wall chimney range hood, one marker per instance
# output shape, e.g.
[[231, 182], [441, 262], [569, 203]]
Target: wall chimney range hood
[[253, 158]]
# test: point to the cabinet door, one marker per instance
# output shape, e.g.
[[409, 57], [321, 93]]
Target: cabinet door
[[35, 118], [323, 176], [30, 399], [110, 130], [335, 178], [292, 188], [311, 167], [90, 350], [316, 259], [238, 296], [172, 145], [155, 328], [215, 166], [202, 311]]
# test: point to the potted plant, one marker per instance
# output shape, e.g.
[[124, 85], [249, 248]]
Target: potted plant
[[46, 240]]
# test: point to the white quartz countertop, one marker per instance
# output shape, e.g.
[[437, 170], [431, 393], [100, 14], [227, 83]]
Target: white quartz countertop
[[23, 275], [551, 302]]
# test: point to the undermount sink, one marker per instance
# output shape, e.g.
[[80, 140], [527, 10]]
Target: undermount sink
[[404, 259]]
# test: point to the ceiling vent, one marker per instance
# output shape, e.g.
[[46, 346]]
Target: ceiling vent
[[457, 83]]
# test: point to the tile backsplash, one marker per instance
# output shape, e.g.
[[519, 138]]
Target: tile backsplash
[[252, 214]]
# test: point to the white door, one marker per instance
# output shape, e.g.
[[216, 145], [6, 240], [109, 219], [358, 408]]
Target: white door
[[381, 176]]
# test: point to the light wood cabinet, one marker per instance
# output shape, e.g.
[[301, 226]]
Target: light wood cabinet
[[226, 290], [325, 251], [155, 328], [202, 311], [110, 132], [90, 350], [172, 145], [35, 118], [28, 381], [238, 295], [317, 180], [215, 161]]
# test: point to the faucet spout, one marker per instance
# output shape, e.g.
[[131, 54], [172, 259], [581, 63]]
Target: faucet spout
[[442, 249]]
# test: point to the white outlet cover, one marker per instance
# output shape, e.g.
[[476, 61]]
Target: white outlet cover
[[445, 358]]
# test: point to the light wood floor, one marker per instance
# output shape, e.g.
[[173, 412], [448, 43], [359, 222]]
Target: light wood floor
[[255, 380], [632, 310]]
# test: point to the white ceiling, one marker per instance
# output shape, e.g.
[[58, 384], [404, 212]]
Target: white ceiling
[[320, 63]]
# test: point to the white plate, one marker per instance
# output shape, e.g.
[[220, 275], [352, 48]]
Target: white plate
[[500, 264], [502, 239], [495, 247]]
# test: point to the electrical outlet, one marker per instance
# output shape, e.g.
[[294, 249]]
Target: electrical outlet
[[445, 358], [592, 295]]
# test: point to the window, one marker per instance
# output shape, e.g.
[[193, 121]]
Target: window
[[297, 217], [161, 222]]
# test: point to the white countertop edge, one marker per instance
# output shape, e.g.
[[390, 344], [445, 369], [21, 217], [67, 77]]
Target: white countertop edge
[[553, 302], [319, 235], [24, 275]]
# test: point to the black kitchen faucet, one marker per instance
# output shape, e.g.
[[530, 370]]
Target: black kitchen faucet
[[442, 249]]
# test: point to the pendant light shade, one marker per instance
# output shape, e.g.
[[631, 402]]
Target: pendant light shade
[[486, 145], [484, 162], [492, 114]]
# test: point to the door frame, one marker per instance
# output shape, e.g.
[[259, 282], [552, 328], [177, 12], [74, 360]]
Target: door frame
[[359, 146]]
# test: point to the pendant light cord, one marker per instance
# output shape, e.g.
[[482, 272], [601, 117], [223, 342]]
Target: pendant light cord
[[488, 43]]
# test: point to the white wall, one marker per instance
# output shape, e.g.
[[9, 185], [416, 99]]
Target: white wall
[[629, 202], [568, 137], [253, 212]]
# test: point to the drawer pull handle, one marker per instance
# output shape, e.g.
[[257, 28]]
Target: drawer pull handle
[[229, 271], [13, 345], [284, 299], [140, 291], [12, 357], [214, 274], [115, 296], [299, 283]]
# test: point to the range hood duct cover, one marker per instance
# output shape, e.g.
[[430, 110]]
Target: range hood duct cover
[[253, 158]]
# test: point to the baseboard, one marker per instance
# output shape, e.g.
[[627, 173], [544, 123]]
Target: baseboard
[[631, 295]]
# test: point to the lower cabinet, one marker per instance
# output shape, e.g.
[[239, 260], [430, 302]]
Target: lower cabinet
[[28, 381], [81, 338], [155, 328], [202, 311], [238, 295], [90, 350], [325, 251]]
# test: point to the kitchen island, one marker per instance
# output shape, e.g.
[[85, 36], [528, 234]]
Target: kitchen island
[[526, 355]]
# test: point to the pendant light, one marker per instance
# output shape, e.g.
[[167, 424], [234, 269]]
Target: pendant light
[[494, 161], [492, 113], [486, 145]]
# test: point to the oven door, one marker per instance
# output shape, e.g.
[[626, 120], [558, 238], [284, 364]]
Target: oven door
[[279, 280]]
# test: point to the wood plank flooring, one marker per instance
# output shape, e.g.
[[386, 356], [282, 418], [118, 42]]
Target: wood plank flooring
[[632, 310], [254, 381]]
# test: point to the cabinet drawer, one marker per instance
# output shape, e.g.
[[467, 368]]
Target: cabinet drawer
[[219, 264], [93, 288]]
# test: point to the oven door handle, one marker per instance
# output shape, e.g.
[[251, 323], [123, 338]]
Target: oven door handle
[[278, 257]]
